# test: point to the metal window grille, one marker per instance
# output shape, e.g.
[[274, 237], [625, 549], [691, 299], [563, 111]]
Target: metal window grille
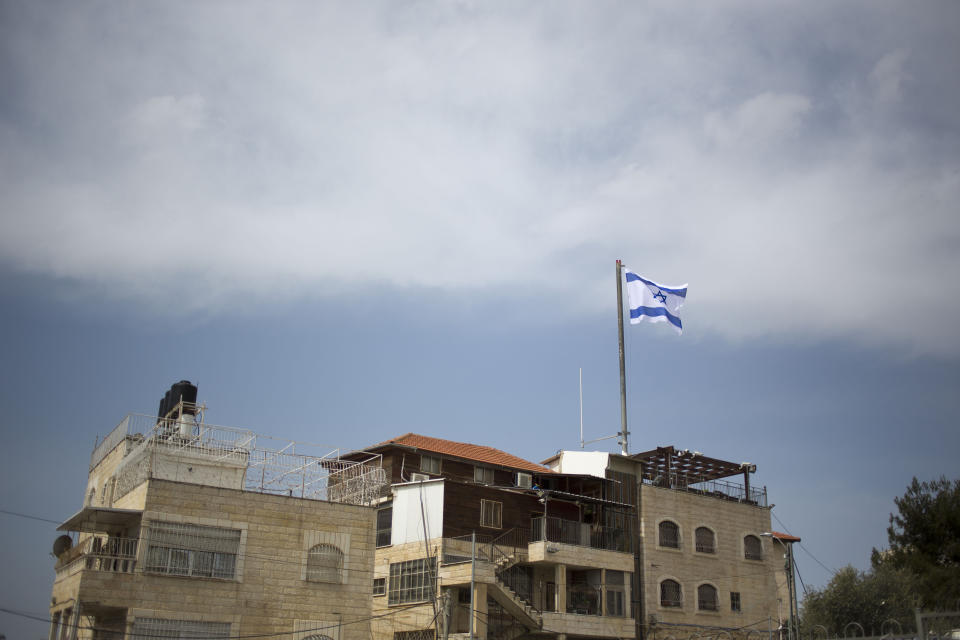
[[670, 594], [705, 540], [379, 586], [669, 534], [483, 475], [752, 549], [411, 581], [384, 527], [491, 514], [149, 628], [317, 636], [734, 601], [324, 563], [429, 464], [707, 598], [192, 550], [420, 634]]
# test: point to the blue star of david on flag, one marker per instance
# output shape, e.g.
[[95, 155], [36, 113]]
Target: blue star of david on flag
[[654, 302]]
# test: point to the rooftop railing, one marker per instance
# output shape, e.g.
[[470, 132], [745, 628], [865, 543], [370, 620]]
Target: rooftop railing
[[281, 467], [723, 489]]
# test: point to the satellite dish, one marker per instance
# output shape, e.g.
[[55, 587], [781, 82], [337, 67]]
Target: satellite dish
[[61, 544]]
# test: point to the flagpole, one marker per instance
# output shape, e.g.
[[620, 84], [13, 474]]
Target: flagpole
[[624, 446]]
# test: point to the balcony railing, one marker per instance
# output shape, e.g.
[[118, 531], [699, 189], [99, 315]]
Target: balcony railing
[[116, 555], [550, 529]]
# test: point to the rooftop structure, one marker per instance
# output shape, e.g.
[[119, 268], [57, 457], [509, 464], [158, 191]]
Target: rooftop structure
[[462, 450], [264, 464]]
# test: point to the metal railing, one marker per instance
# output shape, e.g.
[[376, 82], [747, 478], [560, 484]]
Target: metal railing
[[722, 489], [98, 553], [107, 445], [274, 466], [551, 529]]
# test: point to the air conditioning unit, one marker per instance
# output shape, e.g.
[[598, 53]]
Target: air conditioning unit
[[524, 480], [419, 477]]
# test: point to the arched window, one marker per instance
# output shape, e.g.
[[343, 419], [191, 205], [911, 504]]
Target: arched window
[[669, 534], [705, 540], [707, 598], [318, 636], [324, 563], [670, 594], [752, 549]]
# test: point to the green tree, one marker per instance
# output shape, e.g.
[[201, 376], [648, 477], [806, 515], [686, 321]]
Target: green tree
[[869, 598], [924, 538]]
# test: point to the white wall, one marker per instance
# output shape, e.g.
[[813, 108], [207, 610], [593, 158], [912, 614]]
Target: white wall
[[407, 518], [592, 463]]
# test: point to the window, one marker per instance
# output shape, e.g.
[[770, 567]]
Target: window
[[411, 581], [670, 594], [421, 634], [707, 598], [429, 464], [379, 586], [324, 563], [615, 596], [318, 636], [179, 549], [384, 526], [752, 549], [483, 475], [150, 628], [705, 540], [491, 514], [669, 535], [734, 601]]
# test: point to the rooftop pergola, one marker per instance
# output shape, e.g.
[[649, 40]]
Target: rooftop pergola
[[669, 465]]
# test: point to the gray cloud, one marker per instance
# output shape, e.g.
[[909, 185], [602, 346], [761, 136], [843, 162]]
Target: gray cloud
[[796, 165]]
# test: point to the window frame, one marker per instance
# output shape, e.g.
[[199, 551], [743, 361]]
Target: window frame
[[671, 604], [704, 604], [175, 549], [379, 587], [491, 514], [430, 464], [384, 537], [331, 573], [411, 581], [660, 535], [748, 553], [483, 475], [703, 548], [736, 602]]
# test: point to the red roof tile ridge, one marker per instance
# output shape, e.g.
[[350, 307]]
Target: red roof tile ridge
[[469, 451]]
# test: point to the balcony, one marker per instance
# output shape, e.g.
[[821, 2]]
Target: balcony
[[550, 529], [99, 553]]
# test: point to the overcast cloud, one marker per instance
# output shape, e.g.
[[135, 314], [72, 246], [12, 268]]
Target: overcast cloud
[[797, 164]]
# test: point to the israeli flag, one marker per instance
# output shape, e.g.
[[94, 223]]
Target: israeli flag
[[654, 302]]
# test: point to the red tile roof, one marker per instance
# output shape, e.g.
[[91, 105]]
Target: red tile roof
[[786, 537], [476, 452]]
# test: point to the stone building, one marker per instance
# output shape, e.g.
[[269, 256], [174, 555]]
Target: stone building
[[192, 530], [473, 539]]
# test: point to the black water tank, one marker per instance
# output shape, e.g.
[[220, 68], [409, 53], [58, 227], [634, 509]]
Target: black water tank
[[185, 391]]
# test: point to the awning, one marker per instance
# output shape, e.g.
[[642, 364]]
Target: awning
[[102, 520], [667, 462]]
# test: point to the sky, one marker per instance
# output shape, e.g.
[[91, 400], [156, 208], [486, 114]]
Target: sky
[[347, 221]]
